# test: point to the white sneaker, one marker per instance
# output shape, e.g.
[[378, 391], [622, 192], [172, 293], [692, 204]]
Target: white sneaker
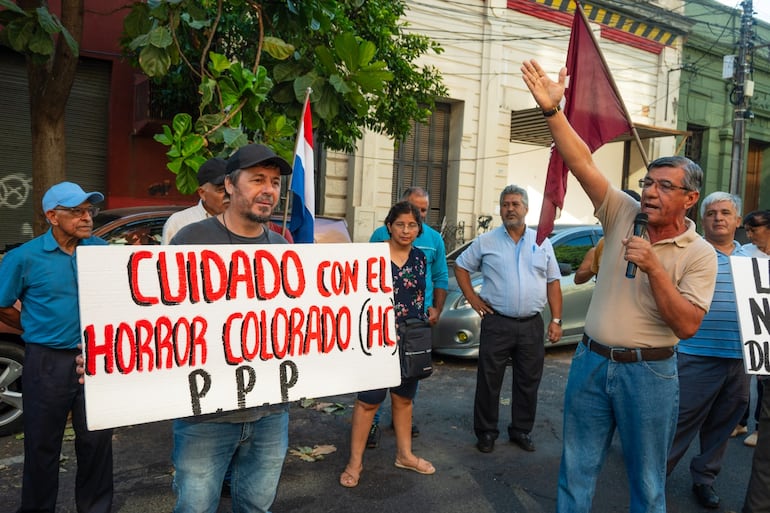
[[739, 430], [751, 440]]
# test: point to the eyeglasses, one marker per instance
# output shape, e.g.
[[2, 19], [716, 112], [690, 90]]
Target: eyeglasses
[[663, 185], [404, 226], [80, 211]]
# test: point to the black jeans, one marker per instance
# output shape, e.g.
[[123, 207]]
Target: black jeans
[[758, 493], [50, 391], [503, 338]]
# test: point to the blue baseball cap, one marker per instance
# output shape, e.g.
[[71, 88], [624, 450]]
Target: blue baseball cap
[[68, 194]]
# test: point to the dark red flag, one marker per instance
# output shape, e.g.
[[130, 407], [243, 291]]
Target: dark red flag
[[592, 108]]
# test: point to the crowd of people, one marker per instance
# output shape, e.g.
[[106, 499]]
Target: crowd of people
[[672, 371]]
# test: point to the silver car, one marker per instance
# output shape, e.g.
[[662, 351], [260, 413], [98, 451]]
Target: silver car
[[458, 328]]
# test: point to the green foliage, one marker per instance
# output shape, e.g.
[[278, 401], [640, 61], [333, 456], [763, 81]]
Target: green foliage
[[185, 153], [32, 32], [246, 69]]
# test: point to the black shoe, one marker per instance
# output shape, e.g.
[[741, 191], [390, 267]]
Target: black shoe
[[373, 440], [706, 495], [523, 440], [486, 443], [415, 431]]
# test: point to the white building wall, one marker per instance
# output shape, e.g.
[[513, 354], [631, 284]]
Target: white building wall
[[484, 44], [637, 75]]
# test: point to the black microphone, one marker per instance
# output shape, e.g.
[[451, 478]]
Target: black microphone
[[640, 227]]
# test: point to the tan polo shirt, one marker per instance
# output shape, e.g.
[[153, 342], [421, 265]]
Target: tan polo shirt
[[623, 312]]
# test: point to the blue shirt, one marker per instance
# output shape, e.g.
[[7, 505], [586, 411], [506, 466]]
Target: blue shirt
[[515, 273], [431, 243], [719, 334], [44, 278]]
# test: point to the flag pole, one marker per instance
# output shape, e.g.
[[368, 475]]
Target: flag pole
[[579, 9], [291, 176]]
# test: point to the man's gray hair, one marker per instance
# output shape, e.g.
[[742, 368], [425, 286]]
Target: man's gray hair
[[693, 174], [515, 189], [718, 196], [414, 191]]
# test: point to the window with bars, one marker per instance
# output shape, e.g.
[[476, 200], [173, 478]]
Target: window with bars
[[693, 148], [421, 160]]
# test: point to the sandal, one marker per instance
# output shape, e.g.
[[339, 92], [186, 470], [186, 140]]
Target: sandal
[[348, 479], [422, 467]]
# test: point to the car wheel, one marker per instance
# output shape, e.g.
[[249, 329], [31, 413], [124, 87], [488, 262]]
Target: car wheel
[[11, 365]]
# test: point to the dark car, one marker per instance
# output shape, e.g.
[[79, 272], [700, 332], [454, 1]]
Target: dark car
[[457, 331], [121, 226]]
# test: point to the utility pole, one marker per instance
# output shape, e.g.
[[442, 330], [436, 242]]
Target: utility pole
[[743, 91]]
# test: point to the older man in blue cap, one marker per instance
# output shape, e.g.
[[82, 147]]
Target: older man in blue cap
[[42, 273]]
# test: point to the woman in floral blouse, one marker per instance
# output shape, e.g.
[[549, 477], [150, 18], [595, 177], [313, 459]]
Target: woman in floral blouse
[[408, 267]]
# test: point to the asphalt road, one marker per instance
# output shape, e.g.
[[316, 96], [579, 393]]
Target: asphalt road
[[508, 480]]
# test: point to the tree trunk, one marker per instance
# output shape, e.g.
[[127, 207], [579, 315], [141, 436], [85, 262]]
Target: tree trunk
[[50, 83]]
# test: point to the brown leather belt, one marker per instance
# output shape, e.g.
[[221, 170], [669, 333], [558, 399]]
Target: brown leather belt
[[626, 354]]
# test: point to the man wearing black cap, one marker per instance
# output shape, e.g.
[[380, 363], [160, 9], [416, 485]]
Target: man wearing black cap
[[213, 199], [253, 439], [42, 274]]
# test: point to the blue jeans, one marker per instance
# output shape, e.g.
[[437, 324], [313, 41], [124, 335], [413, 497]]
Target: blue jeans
[[641, 401], [203, 451]]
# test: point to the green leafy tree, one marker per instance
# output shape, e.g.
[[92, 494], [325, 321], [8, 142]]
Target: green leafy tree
[[50, 46], [238, 71]]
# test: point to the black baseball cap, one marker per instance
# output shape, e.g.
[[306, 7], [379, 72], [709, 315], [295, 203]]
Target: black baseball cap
[[255, 154], [212, 171]]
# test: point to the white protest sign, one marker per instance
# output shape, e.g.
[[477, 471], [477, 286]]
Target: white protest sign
[[752, 294], [175, 331]]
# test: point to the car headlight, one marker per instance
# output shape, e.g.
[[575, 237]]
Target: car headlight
[[463, 336], [462, 303]]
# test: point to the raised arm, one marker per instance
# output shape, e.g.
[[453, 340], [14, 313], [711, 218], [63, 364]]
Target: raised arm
[[575, 153]]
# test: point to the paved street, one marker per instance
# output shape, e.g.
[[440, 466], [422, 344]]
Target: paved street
[[507, 480]]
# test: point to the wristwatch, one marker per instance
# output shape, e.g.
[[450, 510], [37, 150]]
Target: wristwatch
[[556, 320]]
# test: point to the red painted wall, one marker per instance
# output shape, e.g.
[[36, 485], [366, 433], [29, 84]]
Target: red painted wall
[[136, 164]]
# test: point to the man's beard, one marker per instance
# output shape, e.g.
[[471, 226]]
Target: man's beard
[[513, 223], [256, 218]]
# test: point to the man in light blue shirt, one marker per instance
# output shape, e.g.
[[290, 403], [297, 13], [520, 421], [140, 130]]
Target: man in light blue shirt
[[520, 276], [713, 385], [436, 281]]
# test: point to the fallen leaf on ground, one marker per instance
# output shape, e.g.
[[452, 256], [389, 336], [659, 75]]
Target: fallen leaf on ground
[[306, 403], [316, 453], [323, 407]]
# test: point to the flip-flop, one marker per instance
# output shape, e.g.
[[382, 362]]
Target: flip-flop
[[349, 479], [422, 467]]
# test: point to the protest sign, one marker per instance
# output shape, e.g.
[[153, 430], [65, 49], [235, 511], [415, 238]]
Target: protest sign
[[752, 292], [175, 331]]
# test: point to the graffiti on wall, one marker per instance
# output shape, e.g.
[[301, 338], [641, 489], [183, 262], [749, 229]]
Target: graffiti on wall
[[14, 190]]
